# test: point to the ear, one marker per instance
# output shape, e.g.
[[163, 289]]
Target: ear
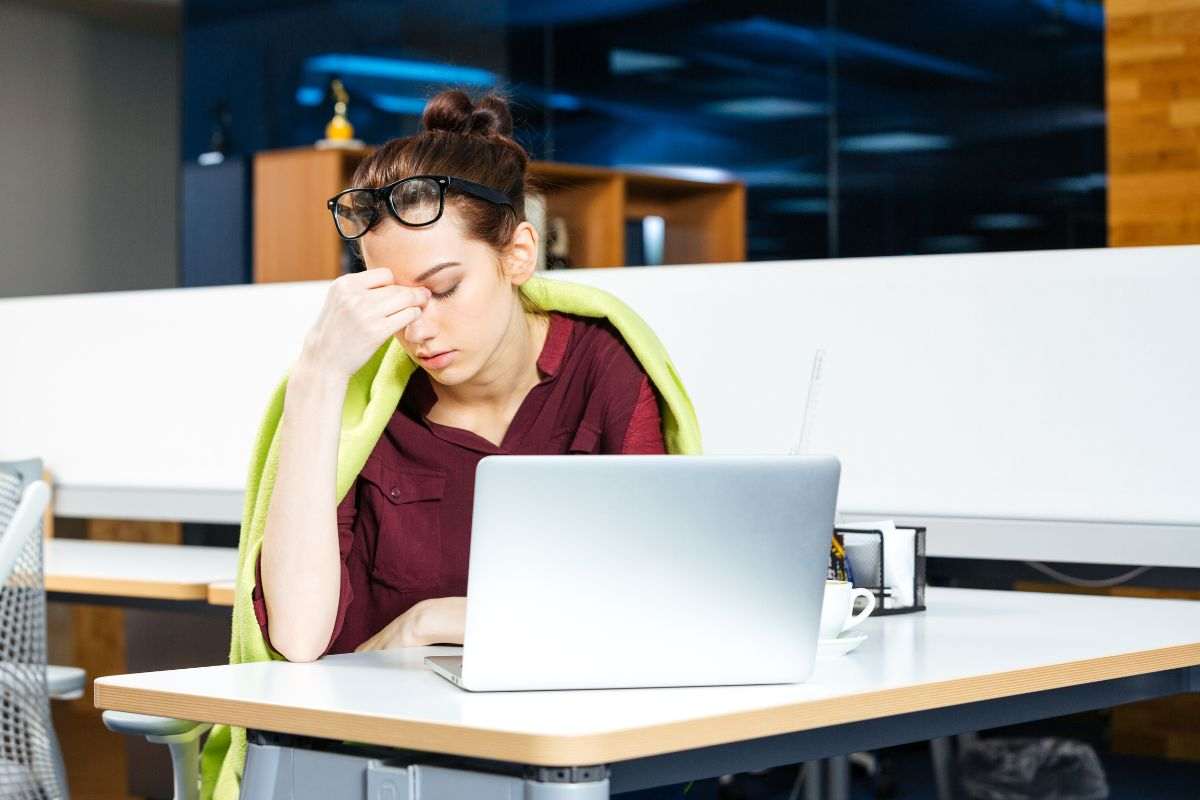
[[521, 256]]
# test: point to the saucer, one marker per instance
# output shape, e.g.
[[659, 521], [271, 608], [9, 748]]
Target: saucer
[[829, 648]]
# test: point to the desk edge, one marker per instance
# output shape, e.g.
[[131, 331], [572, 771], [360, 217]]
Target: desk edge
[[624, 744]]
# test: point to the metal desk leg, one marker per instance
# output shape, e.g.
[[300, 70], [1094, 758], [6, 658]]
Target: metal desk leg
[[275, 772], [568, 783]]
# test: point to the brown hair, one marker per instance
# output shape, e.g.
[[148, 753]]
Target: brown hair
[[467, 139]]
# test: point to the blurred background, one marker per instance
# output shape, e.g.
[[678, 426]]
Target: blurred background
[[172, 143], [855, 128]]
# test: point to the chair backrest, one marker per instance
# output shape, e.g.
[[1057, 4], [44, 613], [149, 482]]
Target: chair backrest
[[28, 748], [20, 516], [48, 514]]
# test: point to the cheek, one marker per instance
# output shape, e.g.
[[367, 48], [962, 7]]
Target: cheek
[[483, 303], [467, 318]]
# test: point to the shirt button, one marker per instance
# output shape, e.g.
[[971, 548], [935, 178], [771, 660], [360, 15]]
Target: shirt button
[[394, 493]]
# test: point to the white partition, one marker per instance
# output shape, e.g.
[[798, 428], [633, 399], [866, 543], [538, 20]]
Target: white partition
[[1047, 385], [145, 404], [1057, 385]]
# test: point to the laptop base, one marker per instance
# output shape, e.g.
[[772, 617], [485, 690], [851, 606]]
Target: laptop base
[[449, 667]]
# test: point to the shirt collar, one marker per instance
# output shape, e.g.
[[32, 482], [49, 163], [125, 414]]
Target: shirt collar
[[420, 397]]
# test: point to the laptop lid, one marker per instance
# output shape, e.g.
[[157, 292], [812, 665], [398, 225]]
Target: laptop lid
[[629, 571]]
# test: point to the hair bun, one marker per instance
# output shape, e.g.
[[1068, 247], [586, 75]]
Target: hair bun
[[453, 111]]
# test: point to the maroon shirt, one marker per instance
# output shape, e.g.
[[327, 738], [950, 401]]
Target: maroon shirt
[[404, 526]]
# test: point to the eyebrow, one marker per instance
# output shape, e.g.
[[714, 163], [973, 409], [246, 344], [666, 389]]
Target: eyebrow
[[429, 272]]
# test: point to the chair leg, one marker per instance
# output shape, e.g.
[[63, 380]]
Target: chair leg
[[941, 751], [60, 768], [813, 780], [185, 764], [181, 736], [867, 761], [839, 778]]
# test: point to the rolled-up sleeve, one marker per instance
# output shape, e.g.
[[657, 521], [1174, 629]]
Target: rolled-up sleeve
[[644, 435]]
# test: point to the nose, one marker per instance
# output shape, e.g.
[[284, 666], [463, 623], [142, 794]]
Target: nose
[[423, 328]]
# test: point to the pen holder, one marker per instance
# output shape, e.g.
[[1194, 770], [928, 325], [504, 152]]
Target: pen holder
[[899, 587]]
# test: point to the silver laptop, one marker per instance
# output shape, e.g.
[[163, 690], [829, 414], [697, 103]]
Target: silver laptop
[[591, 572]]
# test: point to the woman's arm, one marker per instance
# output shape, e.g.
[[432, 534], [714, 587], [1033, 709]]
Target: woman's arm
[[301, 563], [441, 620], [300, 559]]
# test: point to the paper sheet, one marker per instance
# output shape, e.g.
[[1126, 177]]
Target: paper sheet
[[899, 551]]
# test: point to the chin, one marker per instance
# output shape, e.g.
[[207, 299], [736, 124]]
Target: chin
[[452, 375]]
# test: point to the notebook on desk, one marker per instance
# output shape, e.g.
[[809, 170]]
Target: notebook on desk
[[635, 571]]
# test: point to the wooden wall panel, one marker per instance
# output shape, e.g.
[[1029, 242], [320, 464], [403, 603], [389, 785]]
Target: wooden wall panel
[[1152, 81], [1152, 88]]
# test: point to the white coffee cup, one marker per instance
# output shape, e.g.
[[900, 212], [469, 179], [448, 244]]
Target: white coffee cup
[[837, 610]]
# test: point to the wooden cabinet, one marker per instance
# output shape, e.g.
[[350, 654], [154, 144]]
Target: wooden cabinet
[[294, 237]]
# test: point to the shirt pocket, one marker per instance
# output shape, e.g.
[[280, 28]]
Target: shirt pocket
[[408, 544], [579, 441]]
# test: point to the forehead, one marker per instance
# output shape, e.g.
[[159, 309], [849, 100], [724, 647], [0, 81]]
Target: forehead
[[409, 252]]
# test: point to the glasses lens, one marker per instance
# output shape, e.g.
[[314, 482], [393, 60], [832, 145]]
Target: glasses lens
[[353, 213], [417, 201]]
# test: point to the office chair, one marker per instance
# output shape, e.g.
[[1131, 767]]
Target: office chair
[[181, 736], [836, 771], [30, 759], [31, 762]]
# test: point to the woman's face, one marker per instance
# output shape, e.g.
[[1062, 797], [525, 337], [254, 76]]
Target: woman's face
[[472, 305]]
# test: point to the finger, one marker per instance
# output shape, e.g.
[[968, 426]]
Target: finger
[[379, 640], [392, 311], [402, 319], [390, 299], [373, 278]]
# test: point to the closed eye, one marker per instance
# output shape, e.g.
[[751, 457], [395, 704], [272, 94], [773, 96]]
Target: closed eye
[[446, 293]]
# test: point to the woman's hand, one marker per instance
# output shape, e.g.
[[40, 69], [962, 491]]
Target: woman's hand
[[441, 620], [362, 309]]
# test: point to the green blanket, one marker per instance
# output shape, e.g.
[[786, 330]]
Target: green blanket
[[371, 398]]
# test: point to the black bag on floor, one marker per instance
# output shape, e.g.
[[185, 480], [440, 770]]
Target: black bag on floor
[[1031, 769]]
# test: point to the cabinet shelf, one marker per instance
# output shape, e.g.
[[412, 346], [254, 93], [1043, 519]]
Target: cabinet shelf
[[294, 239]]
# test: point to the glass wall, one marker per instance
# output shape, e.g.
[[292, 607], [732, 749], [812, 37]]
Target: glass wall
[[858, 128]]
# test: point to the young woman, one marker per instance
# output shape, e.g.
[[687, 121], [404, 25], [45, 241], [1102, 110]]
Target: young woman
[[439, 217]]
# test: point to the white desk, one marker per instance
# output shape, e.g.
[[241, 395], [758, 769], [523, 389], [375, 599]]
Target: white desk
[[975, 659], [134, 570], [173, 503]]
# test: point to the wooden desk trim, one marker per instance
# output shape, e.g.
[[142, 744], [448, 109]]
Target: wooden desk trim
[[72, 571], [117, 587], [621, 745], [220, 593]]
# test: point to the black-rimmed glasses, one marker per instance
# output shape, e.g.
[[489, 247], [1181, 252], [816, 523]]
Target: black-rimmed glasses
[[417, 200]]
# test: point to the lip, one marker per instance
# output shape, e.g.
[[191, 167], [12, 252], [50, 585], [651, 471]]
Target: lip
[[438, 360]]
